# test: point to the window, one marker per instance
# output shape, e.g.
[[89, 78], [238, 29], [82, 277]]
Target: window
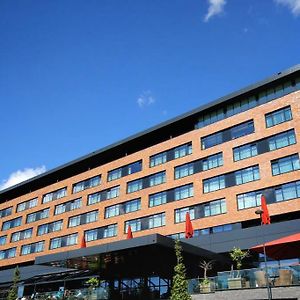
[[133, 205], [49, 227], [180, 214], [183, 150], [157, 199], [27, 204], [134, 186], [216, 207], [104, 195], [278, 116], [68, 206], [247, 175], [184, 170], [142, 183], [55, 195], [282, 140], [101, 232], [8, 253], [112, 211], [184, 192], [212, 161], [244, 152], [125, 170], [86, 184], [3, 240], [285, 164], [157, 178], [85, 218], [5, 212], [63, 241], [227, 134], [39, 215], [198, 211], [214, 184], [240, 105], [11, 223], [21, 235], [250, 199], [171, 154], [148, 222], [287, 191], [158, 159], [157, 220], [33, 248]]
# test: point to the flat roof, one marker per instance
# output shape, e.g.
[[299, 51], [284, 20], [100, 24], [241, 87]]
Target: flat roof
[[144, 139]]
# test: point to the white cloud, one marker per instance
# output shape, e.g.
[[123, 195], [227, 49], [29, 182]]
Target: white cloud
[[216, 7], [145, 99], [293, 5], [21, 175]]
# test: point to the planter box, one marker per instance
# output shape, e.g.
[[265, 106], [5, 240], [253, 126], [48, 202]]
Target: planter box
[[206, 288], [236, 283]]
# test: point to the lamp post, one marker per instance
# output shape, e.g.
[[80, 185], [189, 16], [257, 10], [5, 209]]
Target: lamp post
[[260, 212]]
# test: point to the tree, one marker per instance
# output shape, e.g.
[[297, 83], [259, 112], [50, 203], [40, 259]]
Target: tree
[[206, 266], [13, 291], [237, 255], [180, 285]]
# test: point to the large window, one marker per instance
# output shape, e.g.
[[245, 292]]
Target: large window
[[86, 184], [5, 212], [27, 204], [11, 223], [245, 151], [171, 154], [38, 215], [85, 218], [158, 198], [287, 191], [183, 192], [282, 140], [63, 241], [49, 227], [184, 170], [104, 195], [212, 161], [68, 206], [198, 211], [148, 222], [285, 164], [21, 235], [247, 175], [227, 134], [250, 199], [55, 195], [278, 116], [8, 253], [124, 171], [33, 248], [3, 240], [142, 183], [239, 105], [101, 232], [214, 184]]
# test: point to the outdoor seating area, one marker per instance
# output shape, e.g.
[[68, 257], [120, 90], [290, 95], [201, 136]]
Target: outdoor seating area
[[248, 279]]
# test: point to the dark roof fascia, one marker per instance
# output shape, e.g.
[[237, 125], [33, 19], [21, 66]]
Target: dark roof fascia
[[160, 126], [143, 241]]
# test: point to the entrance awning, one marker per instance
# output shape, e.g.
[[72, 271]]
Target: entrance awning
[[142, 256], [284, 248]]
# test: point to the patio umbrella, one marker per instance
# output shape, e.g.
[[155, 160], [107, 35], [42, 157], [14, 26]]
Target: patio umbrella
[[129, 233], [189, 231], [83, 243], [284, 248]]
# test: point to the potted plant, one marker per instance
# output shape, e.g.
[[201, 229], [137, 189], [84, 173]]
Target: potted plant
[[92, 284], [205, 284], [237, 255]]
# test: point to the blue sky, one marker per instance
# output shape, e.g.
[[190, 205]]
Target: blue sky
[[77, 75]]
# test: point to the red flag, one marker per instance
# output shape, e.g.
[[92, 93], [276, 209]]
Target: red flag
[[129, 233], [83, 243], [265, 217], [189, 231]]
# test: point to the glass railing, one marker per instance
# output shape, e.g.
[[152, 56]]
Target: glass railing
[[247, 279]]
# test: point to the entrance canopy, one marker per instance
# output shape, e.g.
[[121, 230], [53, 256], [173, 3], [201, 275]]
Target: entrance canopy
[[283, 248], [143, 256]]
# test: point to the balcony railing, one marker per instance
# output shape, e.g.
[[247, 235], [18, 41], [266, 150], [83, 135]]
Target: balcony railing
[[247, 279]]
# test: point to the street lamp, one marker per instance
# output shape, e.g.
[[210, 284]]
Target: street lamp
[[260, 212]]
